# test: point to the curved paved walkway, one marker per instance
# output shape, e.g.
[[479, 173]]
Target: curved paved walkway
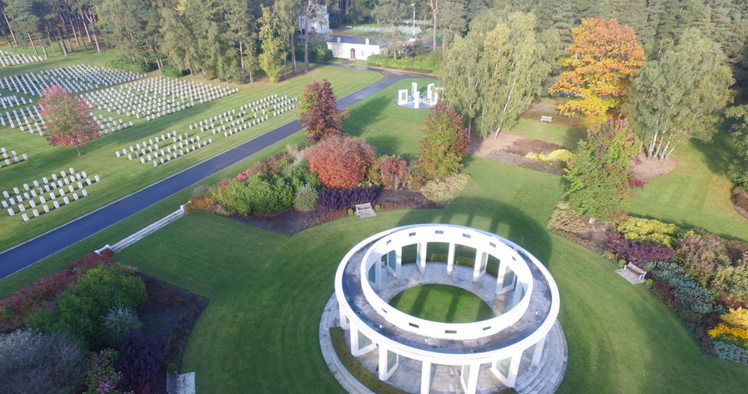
[[23, 255]]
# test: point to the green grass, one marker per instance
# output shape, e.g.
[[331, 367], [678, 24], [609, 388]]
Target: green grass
[[442, 303], [567, 137], [267, 291], [121, 177]]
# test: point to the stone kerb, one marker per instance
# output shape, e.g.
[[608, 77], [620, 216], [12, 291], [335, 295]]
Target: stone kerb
[[458, 236]]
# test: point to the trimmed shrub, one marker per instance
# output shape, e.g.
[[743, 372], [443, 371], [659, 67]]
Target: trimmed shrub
[[648, 230], [340, 162], [334, 199], [81, 307], [171, 71], [201, 191], [101, 376], [444, 192], [171, 367], [730, 352], [306, 199], [687, 291], [736, 318], [649, 283], [141, 362], [621, 263], [118, 324], [350, 211], [40, 364], [565, 220], [638, 253]]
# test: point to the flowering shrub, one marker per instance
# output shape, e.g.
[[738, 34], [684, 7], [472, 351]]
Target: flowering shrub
[[334, 199], [730, 352], [687, 291], [32, 299], [101, 377], [556, 155], [736, 318], [340, 162], [646, 230], [638, 253], [734, 335], [141, 362], [394, 172]]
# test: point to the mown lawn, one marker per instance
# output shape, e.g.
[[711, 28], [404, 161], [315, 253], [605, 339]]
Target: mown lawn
[[121, 177], [442, 303], [267, 290]]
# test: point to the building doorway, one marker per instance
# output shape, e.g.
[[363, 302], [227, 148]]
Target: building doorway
[[353, 54]]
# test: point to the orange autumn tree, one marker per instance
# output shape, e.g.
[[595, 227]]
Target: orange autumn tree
[[604, 54]]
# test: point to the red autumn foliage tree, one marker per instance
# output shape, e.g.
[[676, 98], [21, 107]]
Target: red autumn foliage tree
[[394, 171], [445, 145], [340, 162], [318, 110], [69, 122], [604, 54]]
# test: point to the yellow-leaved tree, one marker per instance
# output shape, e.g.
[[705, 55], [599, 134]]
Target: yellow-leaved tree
[[599, 62]]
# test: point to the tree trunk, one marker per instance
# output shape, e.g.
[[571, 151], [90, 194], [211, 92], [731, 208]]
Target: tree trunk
[[77, 146], [85, 26], [293, 54], [251, 80], [434, 11], [96, 39], [61, 40], [9, 28], [241, 56], [32, 43], [306, 38], [8, 39], [43, 49], [49, 38], [155, 54], [72, 26], [65, 32]]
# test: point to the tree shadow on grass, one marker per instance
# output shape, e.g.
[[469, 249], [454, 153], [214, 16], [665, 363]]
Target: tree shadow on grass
[[493, 216], [718, 154]]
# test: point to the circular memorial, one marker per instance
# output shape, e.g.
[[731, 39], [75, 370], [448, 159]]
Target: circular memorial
[[523, 346]]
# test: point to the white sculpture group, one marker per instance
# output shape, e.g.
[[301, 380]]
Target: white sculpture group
[[415, 100]]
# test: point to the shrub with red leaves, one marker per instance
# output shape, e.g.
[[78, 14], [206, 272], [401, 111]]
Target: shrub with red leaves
[[394, 172], [639, 253], [318, 110], [340, 162]]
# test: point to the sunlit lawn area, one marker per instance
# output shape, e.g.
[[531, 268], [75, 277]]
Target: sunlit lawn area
[[121, 177], [442, 303], [267, 290]]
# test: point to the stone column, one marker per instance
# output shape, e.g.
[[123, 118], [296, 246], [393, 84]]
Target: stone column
[[470, 385], [517, 291], [422, 256], [511, 379], [399, 259], [480, 255], [500, 276], [425, 377], [538, 352], [451, 259]]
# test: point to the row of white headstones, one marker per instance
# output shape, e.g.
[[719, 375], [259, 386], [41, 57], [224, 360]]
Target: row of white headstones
[[12, 101], [77, 78], [112, 125], [33, 197], [239, 123], [30, 121], [180, 146], [431, 95], [137, 101], [13, 59], [6, 159]]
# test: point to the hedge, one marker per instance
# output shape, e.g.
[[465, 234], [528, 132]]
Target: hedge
[[429, 63]]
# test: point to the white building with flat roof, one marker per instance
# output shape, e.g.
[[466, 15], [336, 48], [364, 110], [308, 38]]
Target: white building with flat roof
[[354, 48]]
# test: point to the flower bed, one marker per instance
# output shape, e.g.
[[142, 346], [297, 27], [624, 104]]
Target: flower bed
[[702, 277]]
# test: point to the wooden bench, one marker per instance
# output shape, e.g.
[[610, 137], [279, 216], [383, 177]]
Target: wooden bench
[[641, 273], [365, 210], [546, 119]]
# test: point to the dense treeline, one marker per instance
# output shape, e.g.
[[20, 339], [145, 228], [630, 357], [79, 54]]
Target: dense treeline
[[232, 38]]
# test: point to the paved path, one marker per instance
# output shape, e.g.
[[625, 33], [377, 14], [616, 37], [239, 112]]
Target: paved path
[[53, 241]]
